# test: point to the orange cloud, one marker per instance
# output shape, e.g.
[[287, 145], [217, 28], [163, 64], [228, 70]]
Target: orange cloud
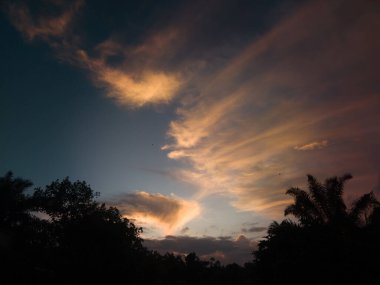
[[149, 87], [152, 87], [312, 145], [313, 75], [43, 25], [138, 79], [168, 213], [295, 82]]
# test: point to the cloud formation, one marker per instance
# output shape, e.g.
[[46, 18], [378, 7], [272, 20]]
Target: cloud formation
[[169, 213], [144, 87], [248, 100], [137, 79], [253, 229], [43, 24], [312, 145], [312, 75], [225, 249]]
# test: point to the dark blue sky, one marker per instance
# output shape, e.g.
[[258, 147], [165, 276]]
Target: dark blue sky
[[56, 123]]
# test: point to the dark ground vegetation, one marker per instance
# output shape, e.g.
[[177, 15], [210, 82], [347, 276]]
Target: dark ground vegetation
[[60, 234]]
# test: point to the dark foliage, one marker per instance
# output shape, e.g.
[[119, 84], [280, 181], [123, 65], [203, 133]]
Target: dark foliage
[[329, 243], [60, 234]]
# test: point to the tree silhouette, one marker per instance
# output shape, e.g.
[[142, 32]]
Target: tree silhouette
[[14, 204], [22, 235], [78, 240], [329, 241], [88, 237], [60, 234], [65, 200], [324, 203]]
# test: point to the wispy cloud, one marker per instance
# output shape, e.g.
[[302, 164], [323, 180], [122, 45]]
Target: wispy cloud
[[224, 249], [298, 81], [312, 145], [168, 213], [137, 79], [244, 105], [43, 25], [144, 87]]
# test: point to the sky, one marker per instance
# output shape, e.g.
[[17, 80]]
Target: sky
[[192, 117]]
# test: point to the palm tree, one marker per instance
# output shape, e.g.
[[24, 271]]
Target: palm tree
[[323, 204]]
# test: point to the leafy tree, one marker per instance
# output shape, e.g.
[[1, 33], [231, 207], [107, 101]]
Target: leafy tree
[[60, 234], [88, 237], [65, 200]]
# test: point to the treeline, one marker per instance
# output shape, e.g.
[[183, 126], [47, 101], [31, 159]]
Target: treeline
[[60, 234]]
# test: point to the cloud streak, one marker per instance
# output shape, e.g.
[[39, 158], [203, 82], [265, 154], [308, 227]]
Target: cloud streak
[[169, 213], [255, 112], [312, 145], [253, 229], [300, 81]]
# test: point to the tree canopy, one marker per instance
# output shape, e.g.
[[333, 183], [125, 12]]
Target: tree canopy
[[60, 234]]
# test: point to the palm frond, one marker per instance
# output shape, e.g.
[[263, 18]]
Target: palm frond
[[361, 206], [334, 193], [318, 194], [303, 208]]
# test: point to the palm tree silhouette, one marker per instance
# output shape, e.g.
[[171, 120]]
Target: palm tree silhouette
[[330, 241], [323, 204]]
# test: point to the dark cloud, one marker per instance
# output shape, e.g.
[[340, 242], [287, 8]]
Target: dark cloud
[[225, 249], [249, 227], [253, 229], [184, 230]]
